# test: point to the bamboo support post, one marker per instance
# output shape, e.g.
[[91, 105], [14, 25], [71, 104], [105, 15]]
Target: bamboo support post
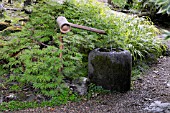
[[61, 54]]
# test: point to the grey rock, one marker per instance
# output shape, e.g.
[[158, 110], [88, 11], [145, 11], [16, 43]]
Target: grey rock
[[27, 2], [158, 107], [31, 97], [28, 10], [80, 85], [165, 105], [168, 84], [157, 110], [21, 96], [10, 97], [40, 98]]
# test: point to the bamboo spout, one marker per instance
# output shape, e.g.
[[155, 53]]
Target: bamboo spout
[[65, 26]]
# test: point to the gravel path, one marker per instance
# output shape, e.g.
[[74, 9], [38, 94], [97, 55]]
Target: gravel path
[[150, 94]]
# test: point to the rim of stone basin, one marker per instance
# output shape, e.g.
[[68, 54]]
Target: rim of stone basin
[[110, 50]]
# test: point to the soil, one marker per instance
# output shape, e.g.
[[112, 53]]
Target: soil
[[152, 86]]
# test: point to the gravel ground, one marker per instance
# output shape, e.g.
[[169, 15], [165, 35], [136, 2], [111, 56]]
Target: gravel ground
[[152, 87]]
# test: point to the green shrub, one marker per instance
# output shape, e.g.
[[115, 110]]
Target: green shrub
[[119, 3], [166, 34], [32, 56], [155, 6], [163, 5]]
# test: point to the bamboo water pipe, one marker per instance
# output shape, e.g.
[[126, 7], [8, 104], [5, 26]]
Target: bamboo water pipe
[[65, 26]]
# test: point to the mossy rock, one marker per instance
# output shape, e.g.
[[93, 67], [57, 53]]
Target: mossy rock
[[110, 69], [13, 29]]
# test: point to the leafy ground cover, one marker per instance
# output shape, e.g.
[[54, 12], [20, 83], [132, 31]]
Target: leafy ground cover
[[31, 60], [150, 95]]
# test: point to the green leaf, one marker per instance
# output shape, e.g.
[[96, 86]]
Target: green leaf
[[168, 10], [161, 2], [163, 9]]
